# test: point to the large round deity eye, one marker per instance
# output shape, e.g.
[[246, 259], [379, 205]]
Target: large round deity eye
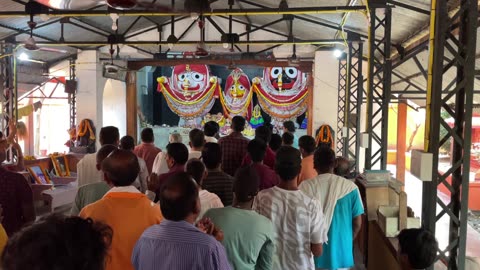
[[291, 72], [241, 87], [182, 77], [275, 72], [198, 77]]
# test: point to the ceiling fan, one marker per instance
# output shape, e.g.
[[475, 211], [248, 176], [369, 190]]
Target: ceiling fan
[[197, 6], [30, 43]]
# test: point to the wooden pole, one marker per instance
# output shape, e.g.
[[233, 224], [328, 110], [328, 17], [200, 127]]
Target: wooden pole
[[132, 104], [401, 140]]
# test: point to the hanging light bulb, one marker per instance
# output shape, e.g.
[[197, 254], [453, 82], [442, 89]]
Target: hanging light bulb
[[115, 18], [337, 53], [194, 16], [226, 45], [44, 17], [171, 40], [23, 57]]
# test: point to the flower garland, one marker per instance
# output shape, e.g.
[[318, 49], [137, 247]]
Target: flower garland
[[83, 128], [192, 115], [320, 138], [280, 103], [300, 108], [177, 99], [227, 105]]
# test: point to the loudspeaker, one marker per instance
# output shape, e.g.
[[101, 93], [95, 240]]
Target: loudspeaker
[[71, 87]]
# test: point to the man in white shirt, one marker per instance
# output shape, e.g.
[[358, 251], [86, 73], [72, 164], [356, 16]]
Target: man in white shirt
[[211, 130], [196, 169], [297, 218], [197, 141], [87, 172], [160, 163], [128, 143]]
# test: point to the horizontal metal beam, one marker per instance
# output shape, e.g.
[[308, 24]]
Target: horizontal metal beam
[[139, 64], [409, 7], [194, 42], [215, 12]]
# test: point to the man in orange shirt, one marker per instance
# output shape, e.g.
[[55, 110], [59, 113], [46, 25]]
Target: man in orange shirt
[[123, 208], [307, 148]]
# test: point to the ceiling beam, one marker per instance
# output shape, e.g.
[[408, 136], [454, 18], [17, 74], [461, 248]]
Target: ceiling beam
[[195, 42], [216, 12]]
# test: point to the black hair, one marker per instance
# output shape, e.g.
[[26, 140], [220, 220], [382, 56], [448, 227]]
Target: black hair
[[195, 168], [256, 149], [238, 123], [324, 159], [211, 128], [342, 167], [197, 137], [290, 126], [179, 152], [121, 167], [287, 138], [246, 184], [127, 143], [275, 142], [419, 245], [104, 152], [288, 163], [307, 143], [178, 196], [264, 133], [59, 242], [212, 155], [147, 135], [109, 135]]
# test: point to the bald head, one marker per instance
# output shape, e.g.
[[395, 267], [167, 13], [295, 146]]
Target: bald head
[[121, 168]]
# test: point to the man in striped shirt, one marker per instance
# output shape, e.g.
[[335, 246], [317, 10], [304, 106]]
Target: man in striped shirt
[[176, 244], [217, 181]]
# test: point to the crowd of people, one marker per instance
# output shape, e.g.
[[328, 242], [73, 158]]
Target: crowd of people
[[273, 202]]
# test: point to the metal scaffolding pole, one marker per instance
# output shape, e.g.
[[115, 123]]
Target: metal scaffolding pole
[[343, 96], [72, 97], [378, 87], [462, 49], [354, 106], [350, 95]]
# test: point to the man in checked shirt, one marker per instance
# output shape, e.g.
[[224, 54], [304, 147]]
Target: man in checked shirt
[[234, 146]]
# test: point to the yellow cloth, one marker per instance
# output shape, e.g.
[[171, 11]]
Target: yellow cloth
[[25, 111], [129, 215], [3, 238]]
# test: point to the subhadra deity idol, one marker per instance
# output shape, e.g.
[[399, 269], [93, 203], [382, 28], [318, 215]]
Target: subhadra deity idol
[[236, 98], [282, 93], [190, 93]]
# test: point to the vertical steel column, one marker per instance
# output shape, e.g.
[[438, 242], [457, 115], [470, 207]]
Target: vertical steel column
[[443, 44], [354, 102], [72, 98], [343, 96], [379, 85]]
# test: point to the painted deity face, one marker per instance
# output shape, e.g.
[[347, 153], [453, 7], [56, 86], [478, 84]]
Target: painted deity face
[[190, 79], [282, 78], [237, 85]]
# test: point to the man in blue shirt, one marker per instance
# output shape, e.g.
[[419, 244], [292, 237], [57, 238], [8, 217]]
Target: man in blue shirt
[[176, 244], [342, 208]]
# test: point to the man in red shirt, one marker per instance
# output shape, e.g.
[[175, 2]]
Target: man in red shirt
[[16, 197], [268, 177], [147, 149], [264, 133], [234, 146], [176, 157]]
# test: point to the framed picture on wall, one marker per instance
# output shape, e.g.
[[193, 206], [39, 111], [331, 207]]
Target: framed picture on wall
[[39, 175], [60, 164]]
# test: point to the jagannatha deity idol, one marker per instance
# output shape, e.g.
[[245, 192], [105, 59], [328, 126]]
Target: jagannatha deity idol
[[282, 93], [190, 92], [236, 98]]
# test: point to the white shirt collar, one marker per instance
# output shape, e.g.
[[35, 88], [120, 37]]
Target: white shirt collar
[[129, 189]]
